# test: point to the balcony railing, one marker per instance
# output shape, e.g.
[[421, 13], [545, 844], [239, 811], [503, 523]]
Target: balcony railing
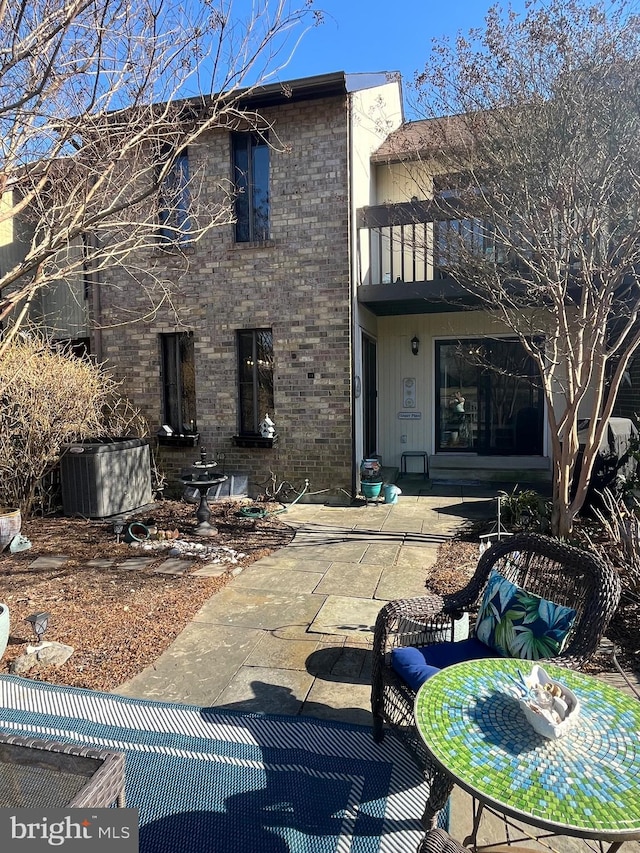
[[416, 241]]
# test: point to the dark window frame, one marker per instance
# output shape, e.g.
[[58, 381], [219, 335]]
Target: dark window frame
[[476, 428], [255, 379], [174, 199], [177, 358], [251, 179]]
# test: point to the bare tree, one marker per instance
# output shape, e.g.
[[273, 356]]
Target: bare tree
[[535, 134], [98, 101]]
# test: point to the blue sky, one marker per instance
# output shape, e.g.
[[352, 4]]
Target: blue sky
[[372, 35]]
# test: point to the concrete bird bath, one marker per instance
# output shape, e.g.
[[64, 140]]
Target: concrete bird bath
[[201, 477]]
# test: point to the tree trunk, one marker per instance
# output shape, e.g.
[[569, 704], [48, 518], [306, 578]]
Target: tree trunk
[[562, 516]]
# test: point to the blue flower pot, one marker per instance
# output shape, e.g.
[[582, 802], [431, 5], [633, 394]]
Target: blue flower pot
[[391, 493], [371, 490]]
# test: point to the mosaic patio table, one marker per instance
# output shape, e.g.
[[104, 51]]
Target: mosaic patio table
[[585, 783]]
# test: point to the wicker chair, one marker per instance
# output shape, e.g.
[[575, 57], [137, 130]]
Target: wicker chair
[[545, 567]]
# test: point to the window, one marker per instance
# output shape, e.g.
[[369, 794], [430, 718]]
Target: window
[[78, 347], [179, 381], [251, 178], [174, 198], [489, 397], [255, 374]]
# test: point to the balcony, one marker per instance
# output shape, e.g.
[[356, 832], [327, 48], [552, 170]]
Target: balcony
[[404, 252]]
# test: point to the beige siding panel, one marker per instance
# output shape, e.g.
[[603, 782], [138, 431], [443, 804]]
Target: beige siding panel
[[398, 182], [375, 112], [61, 307], [6, 220], [15, 236]]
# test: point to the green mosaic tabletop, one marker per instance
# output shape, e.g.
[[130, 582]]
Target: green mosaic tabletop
[[585, 783]]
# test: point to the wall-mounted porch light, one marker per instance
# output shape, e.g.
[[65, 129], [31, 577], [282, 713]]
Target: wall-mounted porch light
[[415, 344]]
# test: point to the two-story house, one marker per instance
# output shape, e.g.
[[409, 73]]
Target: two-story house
[[325, 304], [477, 418]]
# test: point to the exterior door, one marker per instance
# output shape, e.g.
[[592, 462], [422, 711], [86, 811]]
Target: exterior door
[[369, 396]]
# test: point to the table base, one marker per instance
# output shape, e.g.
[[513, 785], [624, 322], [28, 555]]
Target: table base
[[504, 846]]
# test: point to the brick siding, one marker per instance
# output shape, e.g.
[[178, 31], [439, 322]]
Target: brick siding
[[297, 285]]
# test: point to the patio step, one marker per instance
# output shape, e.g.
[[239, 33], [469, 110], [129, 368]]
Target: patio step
[[463, 468]]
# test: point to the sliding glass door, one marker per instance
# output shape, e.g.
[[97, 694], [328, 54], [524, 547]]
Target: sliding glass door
[[488, 397]]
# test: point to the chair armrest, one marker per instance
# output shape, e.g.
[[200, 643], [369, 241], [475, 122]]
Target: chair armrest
[[438, 841], [418, 621], [422, 608], [399, 622]]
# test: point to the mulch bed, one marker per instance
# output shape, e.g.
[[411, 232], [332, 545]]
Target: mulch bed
[[119, 621]]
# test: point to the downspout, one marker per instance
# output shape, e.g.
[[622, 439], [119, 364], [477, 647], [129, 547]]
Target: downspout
[[352, 294], [95, 317]]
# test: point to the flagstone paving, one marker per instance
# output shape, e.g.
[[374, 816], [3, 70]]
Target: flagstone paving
[[136, 564], [51, 561], [101, 563], [173, 566], [302, 619]]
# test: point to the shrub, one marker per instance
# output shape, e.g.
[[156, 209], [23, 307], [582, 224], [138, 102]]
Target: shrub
[[49, 397], [525, 509], [620, 521]]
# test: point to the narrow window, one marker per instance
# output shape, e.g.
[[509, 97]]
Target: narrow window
[[251, 178], [255, 378], [179, 381], [174, 200]]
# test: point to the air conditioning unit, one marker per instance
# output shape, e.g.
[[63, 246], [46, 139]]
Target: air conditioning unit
[[104, 478]]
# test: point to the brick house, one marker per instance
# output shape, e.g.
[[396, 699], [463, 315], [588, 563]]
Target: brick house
[[309, 308], [268, 304]]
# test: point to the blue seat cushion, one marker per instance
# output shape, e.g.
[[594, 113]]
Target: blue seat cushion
[[415, 665]]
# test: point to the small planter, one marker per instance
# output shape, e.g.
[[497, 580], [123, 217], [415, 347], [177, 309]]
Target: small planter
[[371, 490], [190, 440], [391, 493], [10, 526]]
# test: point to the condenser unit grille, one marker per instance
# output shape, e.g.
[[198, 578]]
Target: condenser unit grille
[[105, 478]]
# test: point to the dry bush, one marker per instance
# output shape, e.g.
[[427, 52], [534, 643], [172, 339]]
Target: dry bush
[[121, 418], [620, 523], [49, 397]]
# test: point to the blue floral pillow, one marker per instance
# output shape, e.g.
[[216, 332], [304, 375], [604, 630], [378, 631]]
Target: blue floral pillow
[[518, 624]]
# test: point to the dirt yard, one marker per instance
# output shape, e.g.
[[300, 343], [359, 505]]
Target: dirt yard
[[120, 620]]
